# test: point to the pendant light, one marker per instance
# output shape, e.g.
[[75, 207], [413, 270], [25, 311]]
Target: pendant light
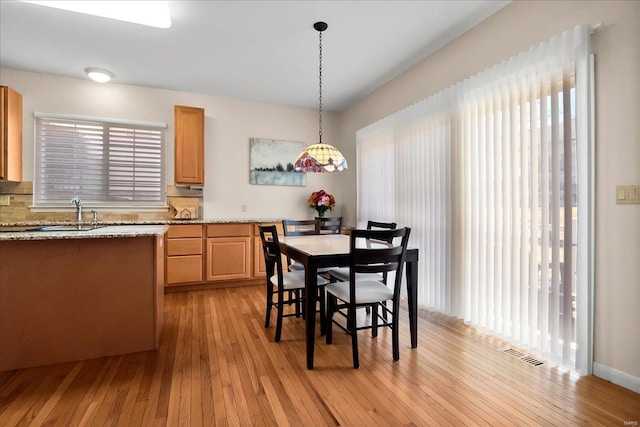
[[320, 157]]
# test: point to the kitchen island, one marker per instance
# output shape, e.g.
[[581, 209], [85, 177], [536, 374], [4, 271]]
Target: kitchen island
[[70, 295]]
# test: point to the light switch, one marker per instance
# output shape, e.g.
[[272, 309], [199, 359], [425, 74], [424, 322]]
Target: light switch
[[628, 194], [5, 200]]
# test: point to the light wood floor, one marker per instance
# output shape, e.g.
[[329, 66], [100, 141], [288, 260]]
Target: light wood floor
[[218, 365]]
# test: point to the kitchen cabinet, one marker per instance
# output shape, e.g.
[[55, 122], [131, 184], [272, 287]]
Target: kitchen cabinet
[[10, 135], [229, 253], [184, 254], [189, 145], [214, 255], [88, 297]]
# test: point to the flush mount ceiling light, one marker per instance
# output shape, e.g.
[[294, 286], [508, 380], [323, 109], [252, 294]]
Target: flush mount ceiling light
[[320, 157], [99, 75], [151, 13]]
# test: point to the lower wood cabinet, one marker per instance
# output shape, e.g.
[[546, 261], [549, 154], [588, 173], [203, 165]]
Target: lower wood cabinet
[[213, 253], [184, 254], [228, 258]]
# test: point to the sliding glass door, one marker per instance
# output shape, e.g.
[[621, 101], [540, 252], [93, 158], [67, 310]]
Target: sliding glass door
[[493, 176]]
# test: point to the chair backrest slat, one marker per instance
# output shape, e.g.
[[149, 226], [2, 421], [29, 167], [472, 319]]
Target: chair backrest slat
[[331, 223], [300, 227], [376, 225]]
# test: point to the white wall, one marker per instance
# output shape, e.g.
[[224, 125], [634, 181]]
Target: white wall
[[229, 123], [515, 28]]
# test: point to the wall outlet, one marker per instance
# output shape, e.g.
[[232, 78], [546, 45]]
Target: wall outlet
[[243, 208], [5, 200]]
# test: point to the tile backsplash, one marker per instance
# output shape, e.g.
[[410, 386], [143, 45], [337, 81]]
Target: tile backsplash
[[16, 197]]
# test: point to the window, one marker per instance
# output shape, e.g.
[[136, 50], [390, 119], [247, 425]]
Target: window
[[106, 163]]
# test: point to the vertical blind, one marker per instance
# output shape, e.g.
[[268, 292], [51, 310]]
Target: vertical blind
[[105, 163], [493, 176]]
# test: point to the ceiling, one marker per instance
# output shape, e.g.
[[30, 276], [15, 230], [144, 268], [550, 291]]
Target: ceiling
[[256, 50]]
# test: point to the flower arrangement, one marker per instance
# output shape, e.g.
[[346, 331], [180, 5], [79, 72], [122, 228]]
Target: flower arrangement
[[322, 202]]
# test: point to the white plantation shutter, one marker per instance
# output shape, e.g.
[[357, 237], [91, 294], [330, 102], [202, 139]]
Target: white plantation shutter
[[105, 163]]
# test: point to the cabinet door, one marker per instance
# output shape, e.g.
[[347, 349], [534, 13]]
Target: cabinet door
[[259, 268], [228, 258], [189, 145], [10, 134]]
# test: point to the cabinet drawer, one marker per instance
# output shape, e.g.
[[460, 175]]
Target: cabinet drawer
[[178, 231], [184, 269], [228, 230], [188, 246]]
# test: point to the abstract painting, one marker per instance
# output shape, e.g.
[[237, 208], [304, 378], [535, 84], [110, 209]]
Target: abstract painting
[[272, 162]]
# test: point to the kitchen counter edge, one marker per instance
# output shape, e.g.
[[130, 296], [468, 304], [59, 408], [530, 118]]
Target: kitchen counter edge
[[109, 231], [144, 222]]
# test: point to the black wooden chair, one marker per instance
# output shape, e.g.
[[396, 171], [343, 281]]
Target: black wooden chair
[[341, 274], [280, 281], [299, 227], [370, 252]]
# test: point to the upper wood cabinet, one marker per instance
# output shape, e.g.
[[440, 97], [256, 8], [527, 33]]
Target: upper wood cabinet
[[10, 135], [189, 145]]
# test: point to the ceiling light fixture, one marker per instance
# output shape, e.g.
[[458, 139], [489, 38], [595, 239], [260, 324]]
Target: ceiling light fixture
[[99, 75], [151, 13], [320, 157]]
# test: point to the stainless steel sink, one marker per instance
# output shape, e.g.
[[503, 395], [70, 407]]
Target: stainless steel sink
[[67, 227]]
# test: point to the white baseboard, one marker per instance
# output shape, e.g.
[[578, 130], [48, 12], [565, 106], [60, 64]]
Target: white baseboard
[[617, 377]]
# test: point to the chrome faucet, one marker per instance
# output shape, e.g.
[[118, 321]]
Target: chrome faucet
[[76, 201]]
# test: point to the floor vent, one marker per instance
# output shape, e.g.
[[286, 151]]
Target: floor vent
[[520, 355]]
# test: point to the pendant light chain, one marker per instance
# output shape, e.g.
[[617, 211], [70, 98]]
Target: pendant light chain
[[320, 157], [320, 85]]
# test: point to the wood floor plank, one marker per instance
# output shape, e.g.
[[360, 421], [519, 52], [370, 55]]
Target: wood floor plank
[[57, 395], [217, 365]]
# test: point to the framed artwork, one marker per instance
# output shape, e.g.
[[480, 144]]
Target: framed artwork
[[271, 162]]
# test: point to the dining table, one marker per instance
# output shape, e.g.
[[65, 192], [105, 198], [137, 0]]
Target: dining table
[[332, 250]]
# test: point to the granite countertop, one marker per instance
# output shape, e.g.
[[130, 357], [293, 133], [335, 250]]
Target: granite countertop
[[106, 229], [99, 232]]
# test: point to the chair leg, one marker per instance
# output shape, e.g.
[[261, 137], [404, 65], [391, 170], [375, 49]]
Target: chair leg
[[374, 320], [280, 315], [331, 303], [395, 333], [351, 326], [323, 313], [297, 298], [267, 319]]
